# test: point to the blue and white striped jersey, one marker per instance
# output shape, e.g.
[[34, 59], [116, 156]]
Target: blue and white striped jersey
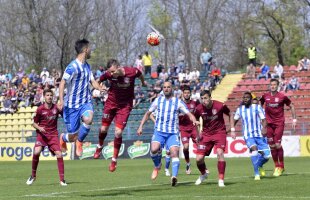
[[251, 120], [167, 114], [78, 77]]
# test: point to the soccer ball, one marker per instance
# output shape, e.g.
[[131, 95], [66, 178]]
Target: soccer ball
[[153, 39]]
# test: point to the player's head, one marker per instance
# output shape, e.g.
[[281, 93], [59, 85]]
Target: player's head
[[186, 92], [247, 99], [82, 47], [255, 100], [206, 98], [167, 88], [274, 84], [113, 67], [48, 96]]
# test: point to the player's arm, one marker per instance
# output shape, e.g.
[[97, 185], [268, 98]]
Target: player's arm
[[262, 116], [36, 121], [61, 93], [234, 118], [294, 122], [144, 119], [141, 77], [152, 117]]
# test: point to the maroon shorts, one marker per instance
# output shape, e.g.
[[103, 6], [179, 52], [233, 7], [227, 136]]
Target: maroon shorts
[[274, 133], [52, 142], [207, 142], [187, 134], [120, 115]]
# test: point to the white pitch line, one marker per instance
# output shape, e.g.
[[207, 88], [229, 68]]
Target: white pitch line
[[56, 194]]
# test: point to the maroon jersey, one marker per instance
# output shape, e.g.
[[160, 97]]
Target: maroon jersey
[[184, 121], [122, 87], [274, 107], [47, 118], [213, 118]]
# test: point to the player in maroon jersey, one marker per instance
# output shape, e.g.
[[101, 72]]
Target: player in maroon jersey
[[213, 134], [45, 123], [187, 129], [274, 102], [118, 105]]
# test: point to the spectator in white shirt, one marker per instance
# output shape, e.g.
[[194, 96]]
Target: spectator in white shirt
[[195, 74], [277, 71], [303, 64], [44, 72]]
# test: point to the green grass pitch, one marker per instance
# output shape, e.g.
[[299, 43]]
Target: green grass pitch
[[90, 179]]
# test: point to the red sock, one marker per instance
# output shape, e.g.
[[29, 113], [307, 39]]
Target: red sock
[[274, 154], [101, 137], [281, 157], [35, 163], [117, 146], [202, 167], [61, 168], [221, 165], [186, 155]]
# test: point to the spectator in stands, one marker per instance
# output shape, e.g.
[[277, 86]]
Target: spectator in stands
[[44, 72], [57, 80], [8, 75], [2, 77], [216, 74], [195, 94], [194, 75], [206, 85], [139, 96], [7, 103], [99, 72], [38, 79], [181, 76], [303, 64], [16, 81], [177, 92], [187, 74], [181, 60], [160, 67], [25, 81], [250, 71], [293, 83], [32, 75], [205, 60], [139, 64], [157, 87], [252, 54], [147, 62], [163, 76], [264, 71], [282, 85], [38, 98], [277, 71], [20, 73]]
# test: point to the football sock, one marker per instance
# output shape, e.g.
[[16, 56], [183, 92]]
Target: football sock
[[221, 165], [186, 155], [35, 163], [65, 137], [84, 130], [202, 167], [101, 137], [156, 159], [175, 166], [274, 154], [261, 160], [167, 159], [117, 146], [254, 159], [61, 168], [281, 157]]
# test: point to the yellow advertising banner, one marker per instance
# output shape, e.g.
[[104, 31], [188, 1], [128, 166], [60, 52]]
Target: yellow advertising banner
[[24, 152], [305, 145]]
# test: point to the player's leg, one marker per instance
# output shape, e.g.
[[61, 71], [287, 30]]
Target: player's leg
[[35, 163], [185, 135], [277, 139], [264, 154], [254, 155], [121, 118], [157, 142], [220, 145], [272, 145], [108, 115], [54, 147], [173, 144], [167, 161], [204, 148]]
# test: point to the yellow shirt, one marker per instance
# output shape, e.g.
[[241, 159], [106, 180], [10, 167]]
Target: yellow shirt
[[147, 60]]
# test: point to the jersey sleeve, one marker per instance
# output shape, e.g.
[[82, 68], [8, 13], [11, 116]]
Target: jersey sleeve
[[226, 109], [237, 114], [104, 77], [261, 112], [262, 100], [68, 74], [182, 107], [36, 116], [137, 72], [153, 106], [287, 101]]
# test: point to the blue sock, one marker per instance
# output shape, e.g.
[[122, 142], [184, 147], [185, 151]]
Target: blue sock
[[175, 166], [84, 130], [167, 159], [254, 159], [156, 159], [261, 160]]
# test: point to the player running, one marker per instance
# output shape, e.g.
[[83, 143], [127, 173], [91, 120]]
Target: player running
[[274, 102], [118, 105], [45, 123]]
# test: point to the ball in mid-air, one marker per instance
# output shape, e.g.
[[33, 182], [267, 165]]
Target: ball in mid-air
[[153, 39]]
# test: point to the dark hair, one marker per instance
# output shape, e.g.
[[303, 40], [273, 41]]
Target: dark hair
[[112, 62], [186, 87], [204, 92], [140, 57], [248, 93], [80, 45], [275, 80], [146, 53], [47, 91]]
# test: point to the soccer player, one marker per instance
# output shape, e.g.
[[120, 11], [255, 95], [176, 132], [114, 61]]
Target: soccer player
[[187, 129], [274, 102], [78, 100], [166, 131], [45, 123], [118, 105], [253, 116], [213, 134]]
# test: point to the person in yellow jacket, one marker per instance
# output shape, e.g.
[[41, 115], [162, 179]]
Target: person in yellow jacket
[[147, 62], [252, 54]]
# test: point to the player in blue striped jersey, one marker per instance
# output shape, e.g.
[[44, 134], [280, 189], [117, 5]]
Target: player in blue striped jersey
[[166, 128], [253, 129], [77, 101]]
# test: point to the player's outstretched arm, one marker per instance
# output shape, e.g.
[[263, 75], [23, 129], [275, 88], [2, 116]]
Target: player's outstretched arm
[[97, 86], [141, 77], [144, 119]]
